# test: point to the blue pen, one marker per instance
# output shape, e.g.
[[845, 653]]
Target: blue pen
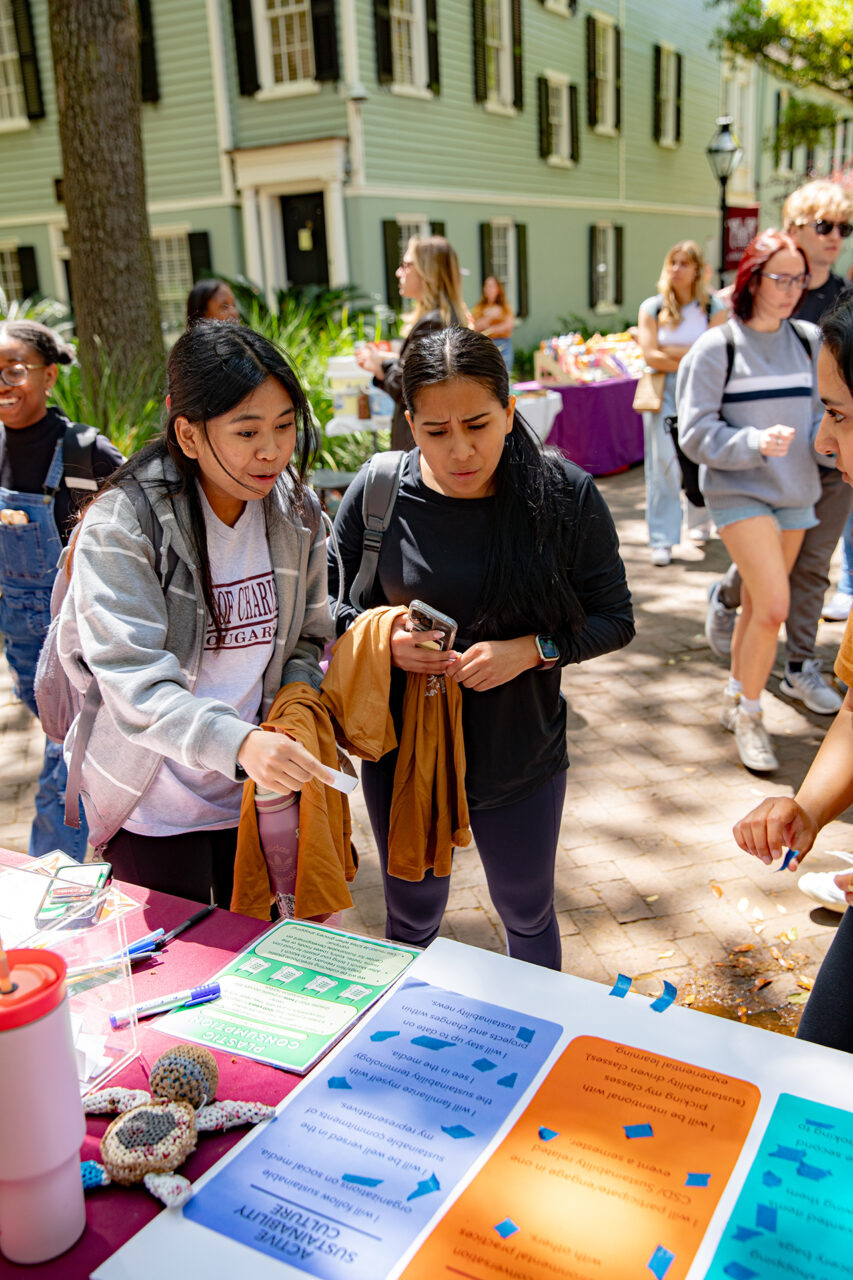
[[162, 1004], [145, 943]]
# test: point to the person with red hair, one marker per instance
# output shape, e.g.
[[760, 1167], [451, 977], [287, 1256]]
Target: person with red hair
[[748, 412]]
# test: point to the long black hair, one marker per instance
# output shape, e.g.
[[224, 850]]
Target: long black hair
[[198, 298], [527, 585], [211, 369], [46, 343], [837, 328]]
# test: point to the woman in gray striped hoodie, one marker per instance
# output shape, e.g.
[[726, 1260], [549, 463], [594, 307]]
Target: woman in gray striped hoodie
[[748, 413], [190, 631]]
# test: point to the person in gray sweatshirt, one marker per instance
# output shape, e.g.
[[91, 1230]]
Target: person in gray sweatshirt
[[750, 423], [190, 641]]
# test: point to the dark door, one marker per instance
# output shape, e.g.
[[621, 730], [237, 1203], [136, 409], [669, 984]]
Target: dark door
[[304, 222]]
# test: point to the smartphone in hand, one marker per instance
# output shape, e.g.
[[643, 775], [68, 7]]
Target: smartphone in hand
[[425, 618]]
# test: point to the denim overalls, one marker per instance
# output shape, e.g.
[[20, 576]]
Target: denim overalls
[[28, 557]]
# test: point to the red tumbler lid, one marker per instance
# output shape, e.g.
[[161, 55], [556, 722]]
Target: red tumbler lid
[[40, 986]]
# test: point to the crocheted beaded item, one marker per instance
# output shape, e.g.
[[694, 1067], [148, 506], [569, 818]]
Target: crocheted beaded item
[[153, 1138], [186, 1073]]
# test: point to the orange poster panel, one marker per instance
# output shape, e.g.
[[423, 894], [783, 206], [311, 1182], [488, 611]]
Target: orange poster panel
[[613, 1171]]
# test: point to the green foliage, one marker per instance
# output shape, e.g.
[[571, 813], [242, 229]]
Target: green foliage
[[806, 42], [574, 322], [46, 311], [802, 123], [129, 417]]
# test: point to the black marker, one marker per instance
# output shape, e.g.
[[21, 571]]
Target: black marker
[[179, 928]]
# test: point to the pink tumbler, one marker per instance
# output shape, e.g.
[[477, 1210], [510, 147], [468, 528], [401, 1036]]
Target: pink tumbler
[[42, 1125], [278, 831]]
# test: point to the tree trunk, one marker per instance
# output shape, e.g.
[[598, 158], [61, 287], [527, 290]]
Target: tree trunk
[[96, 64]]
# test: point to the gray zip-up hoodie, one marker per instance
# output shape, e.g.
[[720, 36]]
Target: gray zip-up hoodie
[[720, 422], [145, 646]]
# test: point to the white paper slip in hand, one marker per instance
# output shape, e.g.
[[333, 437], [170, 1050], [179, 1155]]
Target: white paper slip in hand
[[341, 781]]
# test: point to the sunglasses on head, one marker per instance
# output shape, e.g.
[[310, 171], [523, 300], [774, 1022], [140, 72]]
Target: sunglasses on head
[[823, 226]]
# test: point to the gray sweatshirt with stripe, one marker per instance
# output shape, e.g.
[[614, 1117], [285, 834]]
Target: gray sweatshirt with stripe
[[720, 423], [145, 647]]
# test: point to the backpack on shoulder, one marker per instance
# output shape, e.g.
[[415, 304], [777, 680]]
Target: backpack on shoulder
[[59, 701], [381, 486]]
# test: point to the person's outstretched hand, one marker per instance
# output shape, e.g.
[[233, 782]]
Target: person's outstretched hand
[[279, 763], [778, 823]]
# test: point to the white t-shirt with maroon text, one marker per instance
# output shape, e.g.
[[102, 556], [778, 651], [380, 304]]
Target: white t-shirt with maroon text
[[182, 799]]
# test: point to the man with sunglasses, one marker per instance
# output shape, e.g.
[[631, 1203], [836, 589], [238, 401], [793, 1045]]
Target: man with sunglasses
[[819, 216]]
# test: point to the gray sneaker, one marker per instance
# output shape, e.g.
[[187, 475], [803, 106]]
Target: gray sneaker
[[719, 623], [728, 711], [753, 742], [809, 686]]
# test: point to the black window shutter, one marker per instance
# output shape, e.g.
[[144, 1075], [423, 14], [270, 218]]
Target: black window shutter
[[485, 250], [574, 123], [679, 75], [27, 57], [777, 127], [29, 271], [199, 242], [593, 270], [657, 108], [618, 240], [391, 250], [433, 78], [546, 140], [384, 52], [591, 77], [478, 12], [437, 228], [517, 63], [617, 61], [324, 30], [521, 263], [244, 39], [150, 84]]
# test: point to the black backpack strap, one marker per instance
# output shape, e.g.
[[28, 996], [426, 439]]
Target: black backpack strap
[[805, 342], [78, 447], [730, 351], [380, 493], [164, 563]]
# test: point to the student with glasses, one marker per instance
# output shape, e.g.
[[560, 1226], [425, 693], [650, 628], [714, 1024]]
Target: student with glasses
[[750, 425], [818, 217], [39, 505]]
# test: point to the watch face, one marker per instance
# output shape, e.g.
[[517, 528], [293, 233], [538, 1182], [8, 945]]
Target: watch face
[[547, 648]]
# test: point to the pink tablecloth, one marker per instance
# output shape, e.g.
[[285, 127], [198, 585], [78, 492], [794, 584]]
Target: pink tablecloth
[[597, 427], [114, 1214]]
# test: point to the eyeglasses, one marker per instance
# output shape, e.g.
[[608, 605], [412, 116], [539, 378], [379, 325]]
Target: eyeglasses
[[15, 375], [787, 282], [824, 227]]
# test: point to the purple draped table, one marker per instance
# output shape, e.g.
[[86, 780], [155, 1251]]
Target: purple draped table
[[597, 426]]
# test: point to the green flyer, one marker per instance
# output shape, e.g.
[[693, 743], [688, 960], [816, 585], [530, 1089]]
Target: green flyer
[[292, 994]]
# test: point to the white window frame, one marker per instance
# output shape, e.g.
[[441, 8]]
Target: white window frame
[[562, 7], [270, 87], [737, 99], [506, 227], [668, 96], [10, 75], [499, 97], [561, 142], [418, 86], [173, 294], [605, 85], [12, 272], [606, 238]]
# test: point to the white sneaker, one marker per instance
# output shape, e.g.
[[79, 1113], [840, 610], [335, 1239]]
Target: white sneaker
[[728, 711], [719, 623], [661, 556], [838, 608], [753, 742], [809, 686], [820, 886], [700, 534]]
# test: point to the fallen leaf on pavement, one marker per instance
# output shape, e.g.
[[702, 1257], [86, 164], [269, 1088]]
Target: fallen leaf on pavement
[[743, 905], [716, 889], [664, 955], [758, 928], [756, 914], [777, 955], [793, 933], [761, 983], [804, 982], [797, 997], [744, 946], [653, 897]]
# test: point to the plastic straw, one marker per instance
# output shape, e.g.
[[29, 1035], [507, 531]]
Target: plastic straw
[[7, 986]]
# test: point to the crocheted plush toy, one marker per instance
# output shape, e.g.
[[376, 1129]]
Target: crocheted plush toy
[[153, 1135]]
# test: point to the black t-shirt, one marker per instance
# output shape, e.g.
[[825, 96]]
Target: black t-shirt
[[817, 302], [435, 550], [25, 455]]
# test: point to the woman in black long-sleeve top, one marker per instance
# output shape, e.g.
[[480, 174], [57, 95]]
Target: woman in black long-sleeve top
[[429, 276], [518, 547]]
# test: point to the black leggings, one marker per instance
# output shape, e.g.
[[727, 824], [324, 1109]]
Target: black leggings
[[828, 1017], [517, 845], [196, 864]]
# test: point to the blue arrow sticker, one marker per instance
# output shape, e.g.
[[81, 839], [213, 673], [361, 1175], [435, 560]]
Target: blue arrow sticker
[[506, 1228], [548, 1135], [433, 1043], [812, 1171], [660, 1262], [788, 859], [697, 1180], [638, 1131], [338, 1082], [508, 1082], [788, 1153], [358, 1181], [745, 1233], [456, 1131], [483, 1064], [425, 1188], [525, 1034], [738, 1272], [765, 1217], [665, 998], [379, 1036], [771, 1179]]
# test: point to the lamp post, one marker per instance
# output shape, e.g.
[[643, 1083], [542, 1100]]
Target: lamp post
[[724, 154]]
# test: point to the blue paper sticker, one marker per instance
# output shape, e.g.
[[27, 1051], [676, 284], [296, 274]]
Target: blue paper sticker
[[338, 1082], [621, 986], [508, 1082], [483, 1064], [384, 1035], [788, 859], [796, 1228], [660, 1262], [638, 1131], [547, 1135], [369, 1165], [697, 1180], [666, 997], [525, 1035], [506, 1228]]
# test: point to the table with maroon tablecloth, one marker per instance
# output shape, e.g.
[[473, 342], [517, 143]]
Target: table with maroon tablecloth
[[597, 426], [113, 1213]]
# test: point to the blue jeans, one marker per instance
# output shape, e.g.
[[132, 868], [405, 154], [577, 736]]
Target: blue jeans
[[663, 475], [845, 582]]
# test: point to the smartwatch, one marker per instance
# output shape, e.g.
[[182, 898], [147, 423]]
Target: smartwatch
[[549, 654]]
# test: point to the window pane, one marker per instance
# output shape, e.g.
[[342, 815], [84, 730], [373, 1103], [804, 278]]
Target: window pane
[[403, 36], [290, 40], [174, 276], [10, 274], [12, 103], [495, 45], [558, 117], [500, 253]]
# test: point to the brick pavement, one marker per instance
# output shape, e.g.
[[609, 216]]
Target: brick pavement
[[649, 881]]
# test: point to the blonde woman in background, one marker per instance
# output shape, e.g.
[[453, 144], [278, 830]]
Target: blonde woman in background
[[429, 276], [669, 323]]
